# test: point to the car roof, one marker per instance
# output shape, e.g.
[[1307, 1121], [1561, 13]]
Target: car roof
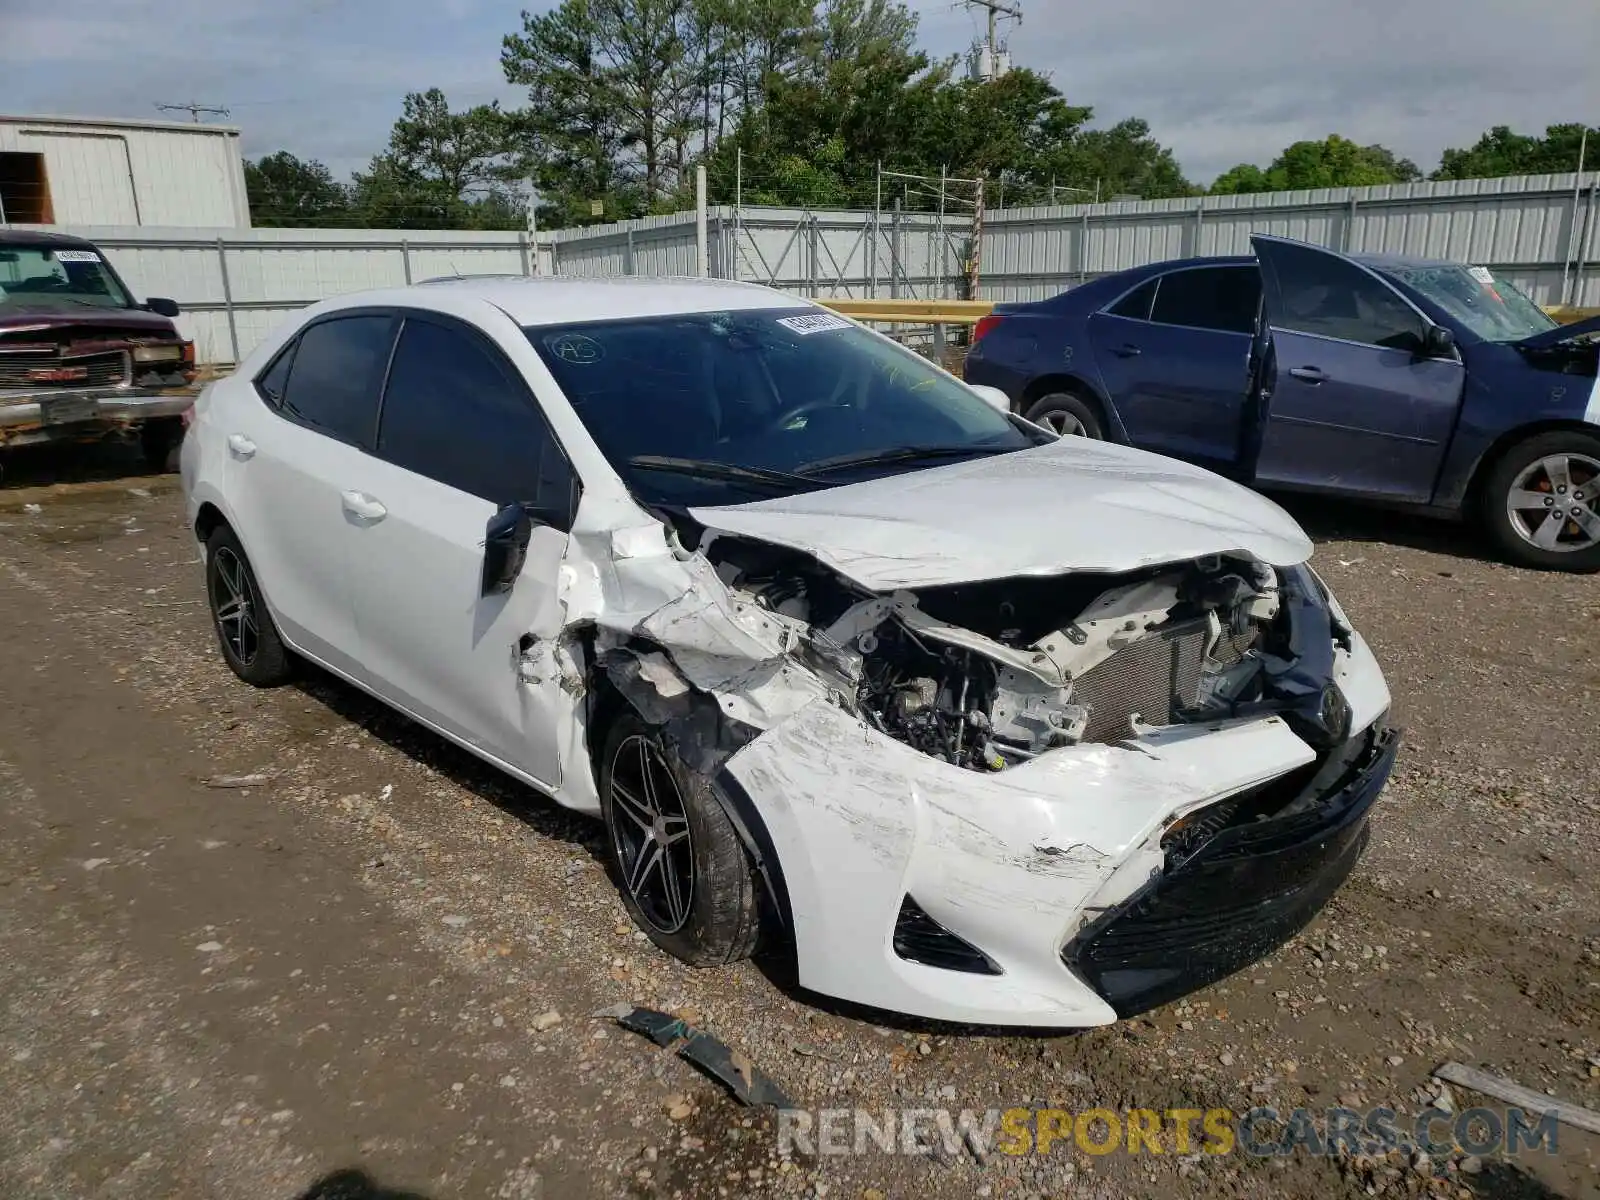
[[564, 300], [33, 237], [1219, 260], [1382, 261]]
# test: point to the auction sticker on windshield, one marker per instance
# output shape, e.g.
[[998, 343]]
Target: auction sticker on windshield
[[76, 256], [813, 323]]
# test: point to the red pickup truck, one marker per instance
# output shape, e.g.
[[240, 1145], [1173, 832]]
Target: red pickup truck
[[80, 359]]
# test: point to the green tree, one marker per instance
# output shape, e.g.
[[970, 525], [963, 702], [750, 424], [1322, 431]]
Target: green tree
[[1502, 152], [615, 90], [1241, 179], [1333, 162], [286, 191], [442, 169], [1126, 160]]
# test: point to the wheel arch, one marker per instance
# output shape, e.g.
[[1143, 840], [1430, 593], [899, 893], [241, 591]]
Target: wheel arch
[[614, 688], [208, 520], [1074, 385], [1472, 497]]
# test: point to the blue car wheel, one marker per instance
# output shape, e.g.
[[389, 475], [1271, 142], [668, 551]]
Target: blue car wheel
[[1541, 501], [1067, 415]]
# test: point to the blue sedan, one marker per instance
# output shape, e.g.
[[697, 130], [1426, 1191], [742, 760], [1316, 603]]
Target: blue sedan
[[1430, 385]]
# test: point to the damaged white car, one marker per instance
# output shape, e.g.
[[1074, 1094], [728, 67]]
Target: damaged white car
[[990, 726]]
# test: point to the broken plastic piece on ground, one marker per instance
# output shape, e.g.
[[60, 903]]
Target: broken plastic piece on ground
[[727, 1066], [259, 779]]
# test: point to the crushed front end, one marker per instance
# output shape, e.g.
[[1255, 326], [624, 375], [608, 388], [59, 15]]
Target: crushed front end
[[1056, 800]]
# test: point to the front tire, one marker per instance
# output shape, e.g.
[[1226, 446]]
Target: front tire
[[1541, 502], [249, 640], [676, 858], [1068, 415]]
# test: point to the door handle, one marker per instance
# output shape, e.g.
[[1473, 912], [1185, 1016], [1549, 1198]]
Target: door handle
[[1127, 350], [362, 506], [241, 446], [1309, 374]]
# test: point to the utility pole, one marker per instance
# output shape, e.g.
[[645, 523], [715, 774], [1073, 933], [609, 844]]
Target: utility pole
[[996, 9], [533, 221], [194, 110]]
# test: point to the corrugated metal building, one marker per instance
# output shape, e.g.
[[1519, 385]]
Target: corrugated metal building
[[84, 171]]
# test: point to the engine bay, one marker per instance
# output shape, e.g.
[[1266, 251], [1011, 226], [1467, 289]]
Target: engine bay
[[989, 675]]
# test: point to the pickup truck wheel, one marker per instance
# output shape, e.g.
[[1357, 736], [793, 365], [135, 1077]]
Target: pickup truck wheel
[[676, 858], [1068, 415], [249, 640], [1541, 502]]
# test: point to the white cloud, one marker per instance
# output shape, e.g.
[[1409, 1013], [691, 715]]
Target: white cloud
[[1224, 81], [1219, 80]]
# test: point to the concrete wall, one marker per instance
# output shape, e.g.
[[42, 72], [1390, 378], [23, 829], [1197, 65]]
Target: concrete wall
[[236, 284]]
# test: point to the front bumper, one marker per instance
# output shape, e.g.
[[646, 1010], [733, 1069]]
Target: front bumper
[[1053, 872], [85, 414], [1238, 897]]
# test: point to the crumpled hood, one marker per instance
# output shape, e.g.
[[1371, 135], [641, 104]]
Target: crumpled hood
[[1074, 505], [1561, 333]]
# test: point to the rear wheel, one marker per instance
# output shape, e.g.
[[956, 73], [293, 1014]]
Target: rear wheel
[[1068, 415], [1541, 502], [682, 871], [245, 631]]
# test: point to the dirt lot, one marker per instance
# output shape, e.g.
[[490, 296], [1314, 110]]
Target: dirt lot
[[239, 992]]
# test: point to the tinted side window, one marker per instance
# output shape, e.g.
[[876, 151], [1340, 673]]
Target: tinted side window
[[272, 382], [335, 376], [1223, 298], [1324, 295], [454, 411], [1135, 304]]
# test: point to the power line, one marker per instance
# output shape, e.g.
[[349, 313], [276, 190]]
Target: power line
[[194, 110]]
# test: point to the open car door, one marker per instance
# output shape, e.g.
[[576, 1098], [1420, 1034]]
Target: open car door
[[1359, 391]]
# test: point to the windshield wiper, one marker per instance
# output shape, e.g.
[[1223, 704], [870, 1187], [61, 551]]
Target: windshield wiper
[[706, 469], [897, 454]]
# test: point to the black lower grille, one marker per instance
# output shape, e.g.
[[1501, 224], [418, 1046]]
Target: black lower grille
[[919, 938], [42, 370], [1243, 893]]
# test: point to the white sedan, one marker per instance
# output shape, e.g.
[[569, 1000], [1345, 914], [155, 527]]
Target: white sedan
[[991, 726]]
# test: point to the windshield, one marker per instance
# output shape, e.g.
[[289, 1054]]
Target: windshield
[[51, 279], [1494, 309], [725, 407]]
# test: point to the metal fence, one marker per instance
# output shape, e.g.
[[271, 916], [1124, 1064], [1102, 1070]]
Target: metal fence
[[1541, 231]]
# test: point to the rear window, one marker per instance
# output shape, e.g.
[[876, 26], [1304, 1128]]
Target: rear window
[[1220, 298], [335, 375]]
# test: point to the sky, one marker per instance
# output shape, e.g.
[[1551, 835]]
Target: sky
[[1220, 81]]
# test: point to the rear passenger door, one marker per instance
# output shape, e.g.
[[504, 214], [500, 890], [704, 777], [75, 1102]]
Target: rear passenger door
[[459, 437], [1175, 354], [289, 459]]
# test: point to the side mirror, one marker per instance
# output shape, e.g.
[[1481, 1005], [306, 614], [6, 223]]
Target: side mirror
[[505, 547], [162, 307], [993, 396], [1438, 342]]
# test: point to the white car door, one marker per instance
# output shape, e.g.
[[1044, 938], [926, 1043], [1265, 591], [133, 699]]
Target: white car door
[[293, 443], [461, 437]]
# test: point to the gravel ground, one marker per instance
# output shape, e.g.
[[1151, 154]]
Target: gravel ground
[[384, 958]]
